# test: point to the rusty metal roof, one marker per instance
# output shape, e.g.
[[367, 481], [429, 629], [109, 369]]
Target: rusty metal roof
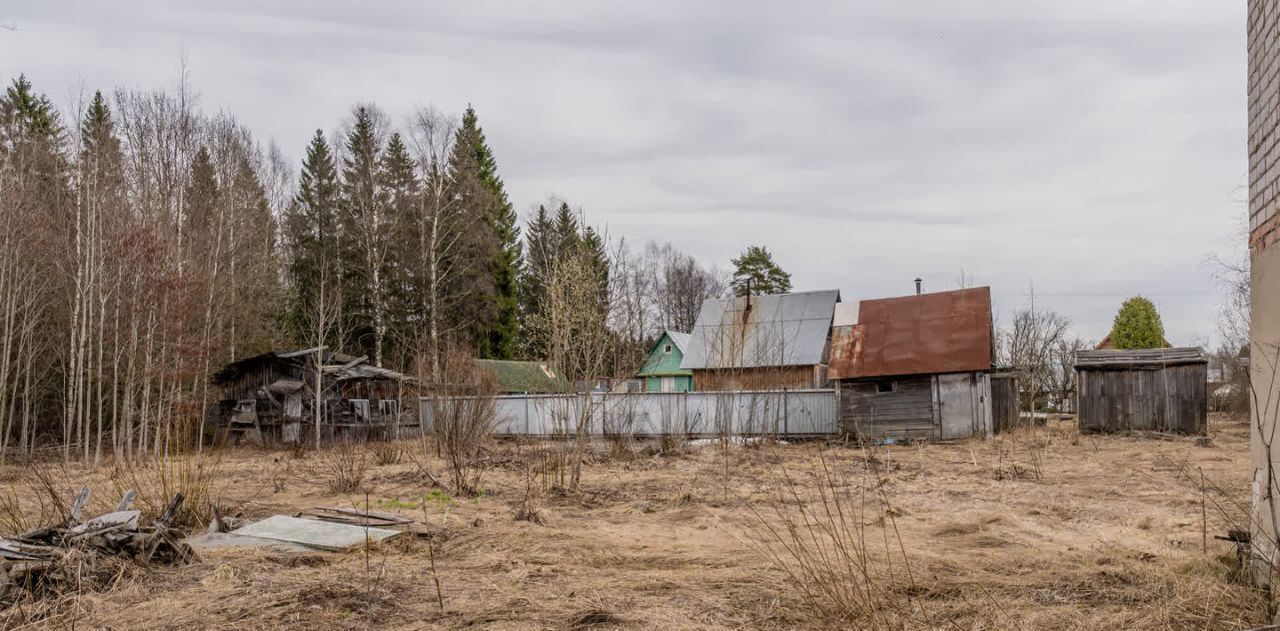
[[947, 331]]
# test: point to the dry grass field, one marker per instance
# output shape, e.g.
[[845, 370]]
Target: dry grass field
[[1041, 529]]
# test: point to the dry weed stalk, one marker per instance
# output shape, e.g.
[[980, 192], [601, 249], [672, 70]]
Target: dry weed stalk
[[815, 532], [528, 509]]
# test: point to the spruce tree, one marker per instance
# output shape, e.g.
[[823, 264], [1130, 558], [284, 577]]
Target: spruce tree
[[201, 199], [312, 232], [497, 339], [756, 272], [366, 225], [100, 155], [566, 228], [539, 253], [399, 180], [1137, 325]]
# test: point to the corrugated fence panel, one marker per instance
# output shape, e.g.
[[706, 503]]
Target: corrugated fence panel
[[788, 413]]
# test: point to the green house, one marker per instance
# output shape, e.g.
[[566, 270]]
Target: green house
[[661, 372]]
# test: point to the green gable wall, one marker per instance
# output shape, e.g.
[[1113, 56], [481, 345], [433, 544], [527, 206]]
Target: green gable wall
[[660, 364]]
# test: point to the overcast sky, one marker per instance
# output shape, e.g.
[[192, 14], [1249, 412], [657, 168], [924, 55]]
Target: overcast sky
[[1093, 148]]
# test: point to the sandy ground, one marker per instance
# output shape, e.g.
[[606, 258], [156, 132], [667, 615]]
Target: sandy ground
[[1042, 529]]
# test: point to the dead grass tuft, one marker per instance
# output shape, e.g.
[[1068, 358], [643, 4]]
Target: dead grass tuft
[[386, 453]]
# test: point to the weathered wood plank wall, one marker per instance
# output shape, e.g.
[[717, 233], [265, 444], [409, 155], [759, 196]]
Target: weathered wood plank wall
[[907, 411], [1004, 402], [1169, 398]]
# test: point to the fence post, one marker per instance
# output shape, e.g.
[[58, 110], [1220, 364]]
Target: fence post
[[786, 427], [527, 428]]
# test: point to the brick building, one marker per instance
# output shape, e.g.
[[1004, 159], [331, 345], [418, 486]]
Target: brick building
[[1264, 254]]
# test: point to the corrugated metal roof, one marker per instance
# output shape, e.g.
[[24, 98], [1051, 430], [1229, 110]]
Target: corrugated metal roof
[[781, 330], [364, 371], [681, 340], [947, 331], [525, 376], [1105, 358], [846, 314], [338, 365]]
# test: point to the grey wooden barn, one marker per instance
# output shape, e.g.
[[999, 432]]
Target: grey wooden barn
[[1160, 389]]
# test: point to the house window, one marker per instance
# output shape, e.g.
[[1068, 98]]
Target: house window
[[666, 348], [884, 386], [668, 384]]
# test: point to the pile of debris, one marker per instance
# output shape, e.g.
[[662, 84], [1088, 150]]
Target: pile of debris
[[33, 559]]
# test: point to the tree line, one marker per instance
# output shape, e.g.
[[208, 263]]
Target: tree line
[[145, 243]]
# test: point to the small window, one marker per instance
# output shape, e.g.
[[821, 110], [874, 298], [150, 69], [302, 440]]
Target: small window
[[666, 348], [884, 386]]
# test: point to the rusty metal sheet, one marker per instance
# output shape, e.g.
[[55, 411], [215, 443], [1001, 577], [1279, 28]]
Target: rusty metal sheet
[[942, 332]]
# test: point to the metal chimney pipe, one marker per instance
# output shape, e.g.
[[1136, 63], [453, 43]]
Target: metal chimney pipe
[[918, 281]]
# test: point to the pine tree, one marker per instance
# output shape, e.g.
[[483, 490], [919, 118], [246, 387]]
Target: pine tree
[[1137, 325], [496, 338], [755, 271]]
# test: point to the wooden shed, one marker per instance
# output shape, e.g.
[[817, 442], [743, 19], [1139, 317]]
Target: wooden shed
[[916, 367], [271, 397], [1159, 389]]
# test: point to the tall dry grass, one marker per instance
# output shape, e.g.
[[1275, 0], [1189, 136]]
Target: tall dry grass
[[815, 530], [156, 480]]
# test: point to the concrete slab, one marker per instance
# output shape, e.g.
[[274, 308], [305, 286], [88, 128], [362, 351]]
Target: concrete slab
[[322, 535], [225, 540]]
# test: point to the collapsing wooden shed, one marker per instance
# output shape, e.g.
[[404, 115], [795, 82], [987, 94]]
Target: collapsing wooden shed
[[1160, 389], [272, 396]]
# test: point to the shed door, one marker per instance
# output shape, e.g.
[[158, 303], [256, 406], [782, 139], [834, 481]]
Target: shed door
[[962, 405]]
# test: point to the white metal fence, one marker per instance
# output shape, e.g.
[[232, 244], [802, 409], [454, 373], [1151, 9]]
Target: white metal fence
[[774, 412]]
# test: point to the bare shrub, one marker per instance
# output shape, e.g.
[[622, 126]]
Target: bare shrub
[[344, 466], [464, 412], [157, 479], [815, 531]]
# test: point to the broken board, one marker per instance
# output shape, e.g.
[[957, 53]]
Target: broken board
[[322, 535]]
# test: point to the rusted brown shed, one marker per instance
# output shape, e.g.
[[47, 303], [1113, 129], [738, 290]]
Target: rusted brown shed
[[916, 366]]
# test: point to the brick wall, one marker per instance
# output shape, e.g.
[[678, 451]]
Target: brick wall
[[1264, 255], [1264, 115]]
